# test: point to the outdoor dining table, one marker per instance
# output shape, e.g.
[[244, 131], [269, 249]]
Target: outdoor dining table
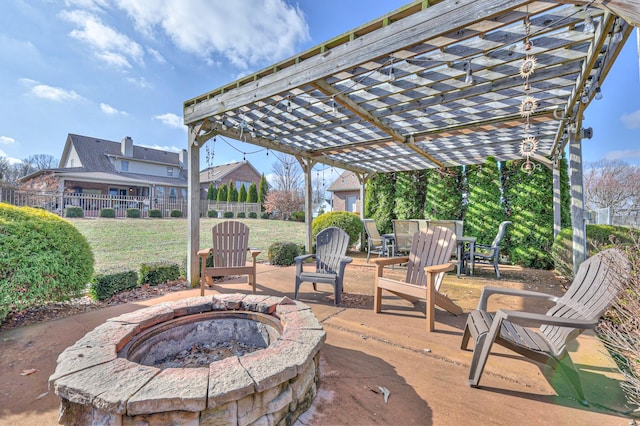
[[461, 242], [386, 240]]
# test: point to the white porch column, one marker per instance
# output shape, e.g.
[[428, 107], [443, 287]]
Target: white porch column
[[557, 204], [193, 208], [577, 201]]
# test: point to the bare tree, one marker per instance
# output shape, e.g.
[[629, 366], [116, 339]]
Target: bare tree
[[281, 204], [41, 161], [612, 184], [287, 174], [318, 189]]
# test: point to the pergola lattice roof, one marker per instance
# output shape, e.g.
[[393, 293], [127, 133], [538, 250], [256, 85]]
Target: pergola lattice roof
[[391, 95]]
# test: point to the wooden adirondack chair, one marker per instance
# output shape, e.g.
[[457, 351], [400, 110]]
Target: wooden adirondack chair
[[595, 287], [230, 246], [429, 256], [331, 247]]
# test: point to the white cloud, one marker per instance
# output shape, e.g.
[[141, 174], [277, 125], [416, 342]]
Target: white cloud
[[108, 44], [631, 121], [165, 147], [157, 56], [171, 120], [247, 33], [140, 82], [52, 93], [6, 140], [9, 159], [624, 155], [109, 110]]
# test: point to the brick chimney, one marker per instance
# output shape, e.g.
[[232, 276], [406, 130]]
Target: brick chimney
[[126, 146]]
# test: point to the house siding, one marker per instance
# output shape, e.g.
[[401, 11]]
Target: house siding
[[339, 200], [244, 173]]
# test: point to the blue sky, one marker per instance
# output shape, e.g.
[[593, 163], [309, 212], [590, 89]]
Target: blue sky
[[115, 68]]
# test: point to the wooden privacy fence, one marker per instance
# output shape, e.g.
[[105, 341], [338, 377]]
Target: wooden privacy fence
[[91, 204]]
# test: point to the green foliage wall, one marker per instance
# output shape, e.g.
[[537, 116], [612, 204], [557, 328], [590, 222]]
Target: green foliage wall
[[212, 193], [565, 193], [242, 195], [485, 210], [410, 189], [262, 191], [443, 198], [382, 201], [529, 202], [252, 196], [222, 193], [42, 258], [232, 195]]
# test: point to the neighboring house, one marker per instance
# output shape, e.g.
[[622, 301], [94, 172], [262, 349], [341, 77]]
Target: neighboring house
[[346, 193], [239, 172], [89, 165], [324, 206]]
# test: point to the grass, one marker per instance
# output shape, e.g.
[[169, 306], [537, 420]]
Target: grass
[[123, 244]]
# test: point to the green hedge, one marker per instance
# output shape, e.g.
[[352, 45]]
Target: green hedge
[[132, 213], [73, 212], [241, 215], [227, 215], [283, 253], [599, 237], [105, 285], [158, 272], [253, 215], [265, 215], [43, 258], [297, 216], [212, 213], [349, 222], [157, 213], [108, 212], [175, 213]]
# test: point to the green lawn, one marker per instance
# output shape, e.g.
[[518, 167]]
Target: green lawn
[[123, 244]]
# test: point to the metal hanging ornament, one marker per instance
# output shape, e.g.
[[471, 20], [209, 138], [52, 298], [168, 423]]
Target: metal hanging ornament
[[529, 104]]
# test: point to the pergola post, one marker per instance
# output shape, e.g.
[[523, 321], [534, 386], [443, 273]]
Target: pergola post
[[557, 200], [193, 207], [307, 167], [577, 201]]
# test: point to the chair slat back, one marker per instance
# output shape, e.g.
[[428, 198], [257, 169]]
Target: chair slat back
[[403, 231], [428, 249], [598, 281], [230, 244], [372, 231], [331, 247]]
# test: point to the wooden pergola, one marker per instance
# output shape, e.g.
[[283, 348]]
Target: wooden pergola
[[433, 84]]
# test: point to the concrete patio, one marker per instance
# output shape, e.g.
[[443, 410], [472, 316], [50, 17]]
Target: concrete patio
[[425, 373]]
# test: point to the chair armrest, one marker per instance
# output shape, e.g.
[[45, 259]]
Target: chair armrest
[[530, 319], [299, 259], [385, 261], [434, 269], [254, 252], [488, 291], [204, 252]]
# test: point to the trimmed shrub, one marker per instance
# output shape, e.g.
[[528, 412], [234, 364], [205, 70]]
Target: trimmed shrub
[[107, 212], [253, 215], [264, 215], [599, 237], [297, 216], [241, 215], [103, 286], [155, 213], [283, 253], [175, 213], [227, 215], [212, 213], [132, 213], [349, 222], [73, 212], [158, 272], [43, 258]]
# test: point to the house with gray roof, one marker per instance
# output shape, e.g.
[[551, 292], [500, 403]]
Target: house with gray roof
[[239, 172], [346, 193], [90, 165]]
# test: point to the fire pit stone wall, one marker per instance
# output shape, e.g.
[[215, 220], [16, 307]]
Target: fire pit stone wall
[[97, 385]]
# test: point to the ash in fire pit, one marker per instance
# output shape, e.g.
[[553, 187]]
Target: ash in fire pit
[[203, 354]]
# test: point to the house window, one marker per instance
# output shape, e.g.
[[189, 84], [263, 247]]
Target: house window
[[351, 203], [160, 192], [173, 194], [124, 165], [169, 171], [72, 160], [183, 192], [240, 182]]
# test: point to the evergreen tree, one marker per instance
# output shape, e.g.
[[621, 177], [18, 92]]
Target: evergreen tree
[[529, 200], [222, 193], [242, 196], [371, 198], [384, 184], [212, 193], [565, 193], [410, 189], [232, 194], [485, 210], [444, 197], [262, 191], [252, 196]]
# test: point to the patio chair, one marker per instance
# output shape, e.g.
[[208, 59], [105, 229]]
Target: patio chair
[[403, 231], [429, 256], [229, 252], [331, 260], [375, 243], [598, 281], [489, 254]]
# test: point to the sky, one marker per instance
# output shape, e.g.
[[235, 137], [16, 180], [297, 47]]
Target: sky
[[116, 68]]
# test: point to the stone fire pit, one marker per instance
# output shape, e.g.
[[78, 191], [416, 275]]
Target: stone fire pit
[[124, 372]]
